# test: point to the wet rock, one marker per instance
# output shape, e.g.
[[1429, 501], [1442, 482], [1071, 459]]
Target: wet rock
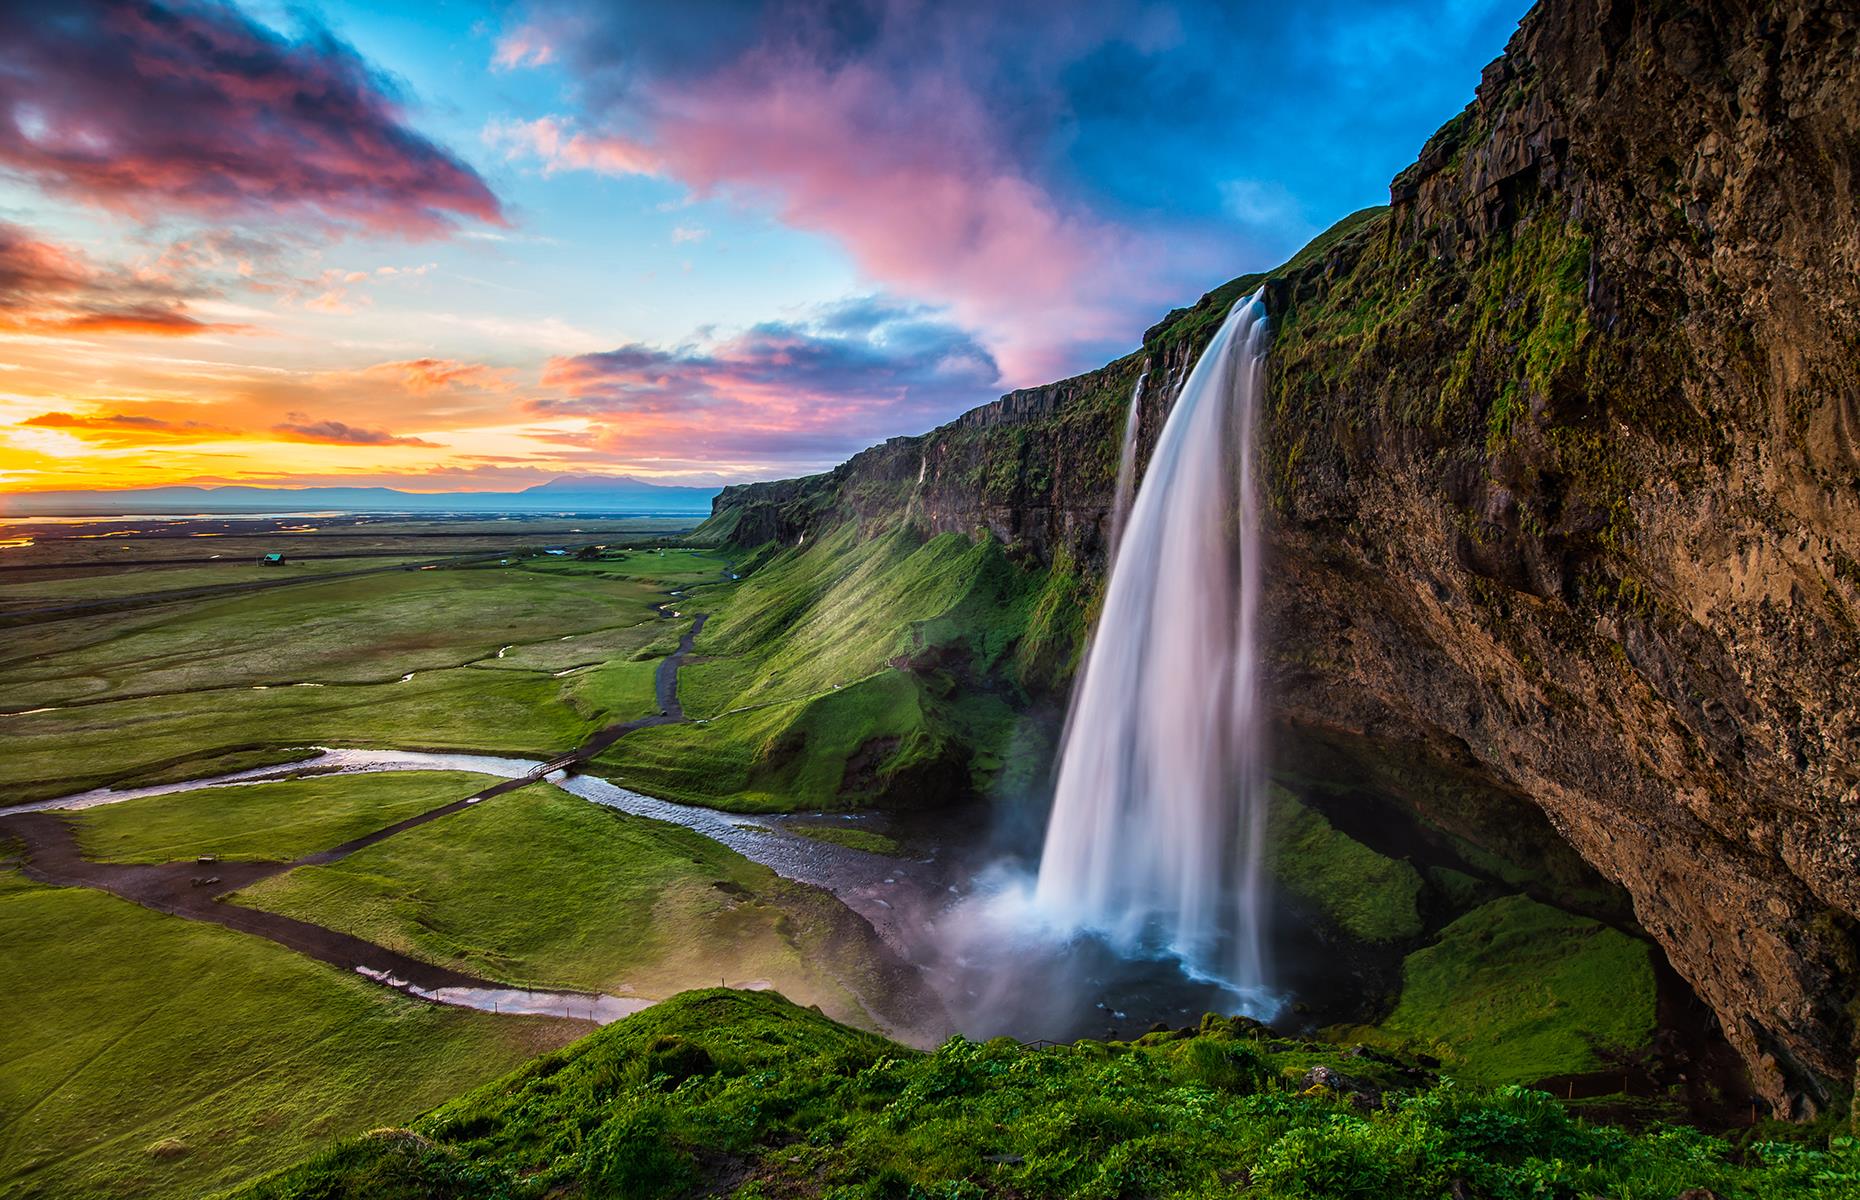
[[1321, 1080]]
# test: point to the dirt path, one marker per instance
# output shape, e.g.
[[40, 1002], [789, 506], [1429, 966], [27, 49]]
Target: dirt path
[[199, 891], [665, 685]]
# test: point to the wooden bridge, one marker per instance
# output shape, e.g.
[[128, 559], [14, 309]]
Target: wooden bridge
[[567, 762]]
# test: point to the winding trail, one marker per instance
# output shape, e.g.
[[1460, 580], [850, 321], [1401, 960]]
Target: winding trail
[[199, 890]]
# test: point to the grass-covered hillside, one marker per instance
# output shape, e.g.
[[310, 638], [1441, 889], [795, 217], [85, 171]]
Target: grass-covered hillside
[[853, 670], [721, 1093]]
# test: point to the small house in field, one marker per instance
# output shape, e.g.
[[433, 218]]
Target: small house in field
[[273, 559]]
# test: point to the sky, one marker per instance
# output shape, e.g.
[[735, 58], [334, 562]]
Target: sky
[[465, 244]]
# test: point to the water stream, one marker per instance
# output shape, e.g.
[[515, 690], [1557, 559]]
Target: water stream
[[870, 884]]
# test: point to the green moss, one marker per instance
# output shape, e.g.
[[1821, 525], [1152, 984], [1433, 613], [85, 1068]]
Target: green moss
[[841, 835], [1516, 991], [722, 1091], [1369, 897]]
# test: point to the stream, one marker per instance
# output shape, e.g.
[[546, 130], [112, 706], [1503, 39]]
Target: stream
[[996, 979], [871, 884]]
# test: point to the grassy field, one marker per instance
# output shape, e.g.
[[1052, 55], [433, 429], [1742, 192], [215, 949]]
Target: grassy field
[[25, 590], [372, 629], [275, 822], [540, 888], [50, 754], [150, 692], [147, 1056], [731, 1093]]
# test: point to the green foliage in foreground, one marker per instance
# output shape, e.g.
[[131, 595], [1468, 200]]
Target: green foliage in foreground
[[144, 1056], [1518, 990], [728, 1093]]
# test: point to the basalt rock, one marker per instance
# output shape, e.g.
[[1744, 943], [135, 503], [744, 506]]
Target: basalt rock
[[1564, 463]]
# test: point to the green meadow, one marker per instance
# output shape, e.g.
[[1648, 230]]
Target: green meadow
[[271, 822], [542, 889], [177, 690], [147, 1056]]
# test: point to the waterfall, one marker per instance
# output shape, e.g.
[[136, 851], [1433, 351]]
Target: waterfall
[[1127, 465], [1158, 820]]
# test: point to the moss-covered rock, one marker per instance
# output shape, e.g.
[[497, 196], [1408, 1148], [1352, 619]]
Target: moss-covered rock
[[1366, 896], [1516, 991]]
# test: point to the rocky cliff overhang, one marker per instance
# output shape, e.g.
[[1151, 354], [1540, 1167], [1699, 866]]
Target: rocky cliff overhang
[[1564, 452]]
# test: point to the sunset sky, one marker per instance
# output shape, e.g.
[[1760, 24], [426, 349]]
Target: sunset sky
[[480, 245]]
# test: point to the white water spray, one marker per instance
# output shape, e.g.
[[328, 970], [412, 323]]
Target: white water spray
[[1159, 817]]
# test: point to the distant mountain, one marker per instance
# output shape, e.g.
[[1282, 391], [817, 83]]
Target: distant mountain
[[572, 493]]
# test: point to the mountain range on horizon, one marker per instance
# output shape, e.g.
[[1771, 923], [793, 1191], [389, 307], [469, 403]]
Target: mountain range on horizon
[[577, 493]]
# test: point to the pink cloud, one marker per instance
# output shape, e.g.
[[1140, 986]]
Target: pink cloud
[[559, 146], [425, 376], [299, 428], [524, 46], [48, 289], [879, 131], [807, 391]]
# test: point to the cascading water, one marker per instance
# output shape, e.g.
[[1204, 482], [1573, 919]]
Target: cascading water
[[1127, 465], [1158, 820]]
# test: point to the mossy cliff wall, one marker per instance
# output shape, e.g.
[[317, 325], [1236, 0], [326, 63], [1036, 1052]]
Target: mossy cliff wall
[[1564, 451]]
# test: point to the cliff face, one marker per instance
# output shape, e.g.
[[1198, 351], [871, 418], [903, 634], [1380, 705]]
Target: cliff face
[[1567, 475], [1565, 459]]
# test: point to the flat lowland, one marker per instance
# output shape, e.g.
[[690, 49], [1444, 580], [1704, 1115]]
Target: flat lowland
[[148, 1056], [542, 889], [526, 657], [276, 822]]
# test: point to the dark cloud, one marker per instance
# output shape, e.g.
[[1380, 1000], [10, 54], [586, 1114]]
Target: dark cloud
[[191, 105], [300, 428]]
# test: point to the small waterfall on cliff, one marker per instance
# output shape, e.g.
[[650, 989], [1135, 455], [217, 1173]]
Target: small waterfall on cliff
[[1159, 816], [1127, 465]]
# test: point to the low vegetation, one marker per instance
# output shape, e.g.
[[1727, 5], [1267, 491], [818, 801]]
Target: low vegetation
[[149, 1057], [1366, 896], [275, 822], [1517, 990], [538, 888], [728, 1093], [847, 671], [406, 660]]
